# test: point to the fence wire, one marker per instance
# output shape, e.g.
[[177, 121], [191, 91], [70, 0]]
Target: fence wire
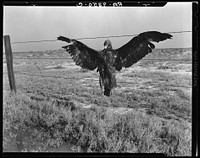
[[141, 59], [53, 40], [84, 38], [74, 78], [45, 75]]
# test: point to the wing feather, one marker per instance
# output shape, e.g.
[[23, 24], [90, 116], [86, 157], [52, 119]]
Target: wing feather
[[82, 55], [137, 48]]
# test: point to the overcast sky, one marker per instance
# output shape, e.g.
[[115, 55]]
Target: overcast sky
[[24, 23]]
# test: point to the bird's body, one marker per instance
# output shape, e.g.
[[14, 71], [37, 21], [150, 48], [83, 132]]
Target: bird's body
[[109, 60], [107, 71]]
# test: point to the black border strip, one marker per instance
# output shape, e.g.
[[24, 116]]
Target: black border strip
[[195, 79], [86, 3], [195, 74]]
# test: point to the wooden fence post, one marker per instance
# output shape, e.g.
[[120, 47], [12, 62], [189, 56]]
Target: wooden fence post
[[9, 60]]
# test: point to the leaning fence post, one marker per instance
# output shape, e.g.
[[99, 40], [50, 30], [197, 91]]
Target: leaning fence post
[[9, 60]]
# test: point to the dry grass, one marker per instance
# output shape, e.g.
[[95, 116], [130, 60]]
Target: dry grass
[[159, 119]]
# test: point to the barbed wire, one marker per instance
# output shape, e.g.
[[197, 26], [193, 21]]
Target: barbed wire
[[112, 36], [80, 78], [141, 59], [130, 35], [40, 58], [44, 75], [127, 35], [37, 41]]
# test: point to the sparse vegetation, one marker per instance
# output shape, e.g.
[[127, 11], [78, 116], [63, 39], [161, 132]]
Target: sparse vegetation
[[159, 120]]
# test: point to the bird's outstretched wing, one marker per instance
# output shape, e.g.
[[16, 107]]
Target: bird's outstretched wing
[[137, 48], [83, 56]]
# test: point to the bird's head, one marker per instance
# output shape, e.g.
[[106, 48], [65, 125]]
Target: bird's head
[[107, 45]]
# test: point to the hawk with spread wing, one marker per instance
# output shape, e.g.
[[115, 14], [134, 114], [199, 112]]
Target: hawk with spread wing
[[109, 60]]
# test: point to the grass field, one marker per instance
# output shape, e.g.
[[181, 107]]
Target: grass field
[[59, 106]]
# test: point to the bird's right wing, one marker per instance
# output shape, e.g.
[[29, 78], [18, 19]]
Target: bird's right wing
[[83, 56], [137, 48]]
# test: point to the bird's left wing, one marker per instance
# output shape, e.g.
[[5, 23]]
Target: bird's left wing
[[137, 48], [83, 56]]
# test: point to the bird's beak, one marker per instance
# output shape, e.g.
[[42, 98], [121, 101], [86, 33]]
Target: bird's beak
[[106, 46]]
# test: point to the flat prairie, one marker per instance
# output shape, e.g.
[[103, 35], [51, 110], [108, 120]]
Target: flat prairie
[[59, 106]]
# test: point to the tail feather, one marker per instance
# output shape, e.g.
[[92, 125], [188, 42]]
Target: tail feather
[[107, 91], [107, 81]]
